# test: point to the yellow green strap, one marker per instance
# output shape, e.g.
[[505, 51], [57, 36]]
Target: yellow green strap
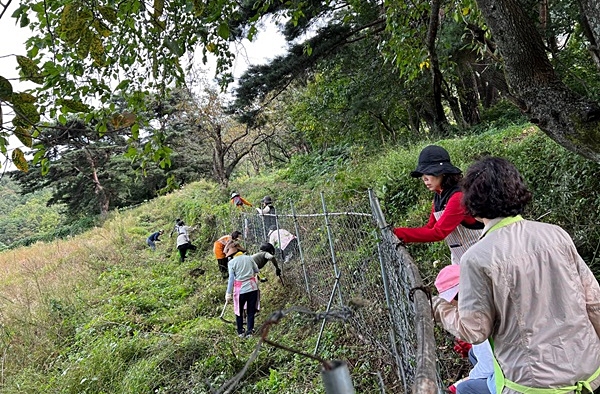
[[500, 382], [505, 222]]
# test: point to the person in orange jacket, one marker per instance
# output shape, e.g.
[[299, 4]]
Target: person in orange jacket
[[224, 248], [238, 200]]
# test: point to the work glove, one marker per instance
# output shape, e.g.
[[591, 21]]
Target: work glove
[[278, 272], [228, 297], [462, 347], [452, 388]]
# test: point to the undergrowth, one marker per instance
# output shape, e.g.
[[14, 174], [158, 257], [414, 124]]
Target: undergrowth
[[100, 312]]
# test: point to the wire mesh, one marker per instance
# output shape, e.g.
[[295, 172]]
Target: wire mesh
[[344, 256]]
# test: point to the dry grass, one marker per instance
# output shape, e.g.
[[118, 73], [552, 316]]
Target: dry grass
[[40, 282]]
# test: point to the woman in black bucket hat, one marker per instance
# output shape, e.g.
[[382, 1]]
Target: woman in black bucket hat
[[448, 220]]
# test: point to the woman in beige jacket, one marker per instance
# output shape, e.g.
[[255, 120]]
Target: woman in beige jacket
[[525, 287]]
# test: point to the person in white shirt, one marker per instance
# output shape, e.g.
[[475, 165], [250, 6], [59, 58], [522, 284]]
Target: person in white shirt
[[285, 241]]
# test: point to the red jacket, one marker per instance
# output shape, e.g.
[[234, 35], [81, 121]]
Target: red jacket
[[437, 230]]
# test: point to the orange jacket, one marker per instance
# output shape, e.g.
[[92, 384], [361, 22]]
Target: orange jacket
[[220, 245], [240, 201]]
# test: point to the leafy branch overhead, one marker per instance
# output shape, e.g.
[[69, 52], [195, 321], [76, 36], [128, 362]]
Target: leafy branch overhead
[[449, 60]]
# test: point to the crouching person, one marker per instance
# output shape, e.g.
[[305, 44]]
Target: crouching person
[[266, 254], [243, 289]]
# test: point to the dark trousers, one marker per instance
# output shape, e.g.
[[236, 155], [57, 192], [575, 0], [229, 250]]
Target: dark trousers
[[223, 267], [183, 250], [250, 299]]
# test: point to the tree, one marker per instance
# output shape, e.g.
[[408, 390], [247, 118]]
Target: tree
[[92, 50], [569, 118], [229, 141]]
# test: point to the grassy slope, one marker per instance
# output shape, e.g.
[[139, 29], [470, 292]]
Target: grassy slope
[[101, 313]]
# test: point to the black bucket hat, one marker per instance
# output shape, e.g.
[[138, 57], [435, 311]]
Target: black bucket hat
[[434, 160]]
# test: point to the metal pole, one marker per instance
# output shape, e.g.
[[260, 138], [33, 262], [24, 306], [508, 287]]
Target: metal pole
[[335, 285], [331, 247], [297, 229], [337, 380]]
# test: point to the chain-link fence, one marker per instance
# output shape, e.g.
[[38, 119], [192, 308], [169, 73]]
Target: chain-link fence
[[343, 254]]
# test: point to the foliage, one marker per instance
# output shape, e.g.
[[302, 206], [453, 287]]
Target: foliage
[[100, 312], [24, 219]]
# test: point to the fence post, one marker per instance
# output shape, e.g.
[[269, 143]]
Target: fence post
[[425, 379], [337, 380], [297, 229], [331, 245], [335, 285]]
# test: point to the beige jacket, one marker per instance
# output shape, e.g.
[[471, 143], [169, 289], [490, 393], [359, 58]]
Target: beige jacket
[[526, 286]]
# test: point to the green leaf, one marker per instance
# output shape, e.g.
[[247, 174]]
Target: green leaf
[[29, 69], [223, 30], [135, 130], [6, 89], [109, 14], [18, 158], [26, 115], [75, 105], [22, 97], [45, 166], [124, 84], [24, 136]]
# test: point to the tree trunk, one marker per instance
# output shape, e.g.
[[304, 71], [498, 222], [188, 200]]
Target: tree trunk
[[567, 118], [588, 31], [440, 122]]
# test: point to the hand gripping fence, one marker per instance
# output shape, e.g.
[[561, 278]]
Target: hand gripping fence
[[345, 255]]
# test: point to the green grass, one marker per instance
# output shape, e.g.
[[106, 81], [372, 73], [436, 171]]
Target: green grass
[[101, 313]]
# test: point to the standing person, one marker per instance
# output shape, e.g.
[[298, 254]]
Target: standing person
[[238, 200], [448, 220], [183, 241], [266, 254], [219, 251], [285, 241], [481, 377], [233, 245], [243, 289], [524, 286], [153, 238], [267, 213]]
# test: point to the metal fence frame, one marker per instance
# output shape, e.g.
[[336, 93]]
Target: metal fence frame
[[346, 255]]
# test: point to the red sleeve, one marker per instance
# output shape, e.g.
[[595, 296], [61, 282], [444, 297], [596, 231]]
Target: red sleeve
[[434, 230]]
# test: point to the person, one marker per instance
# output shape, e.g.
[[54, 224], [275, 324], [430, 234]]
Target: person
[[175, 229], [525, 287], [242, 288], [481, 378], [219, 251], [233, 245], [448, 220], [183, 240], [285, 241], [266, 254], [267, 213], [153, 238], [238, 200]]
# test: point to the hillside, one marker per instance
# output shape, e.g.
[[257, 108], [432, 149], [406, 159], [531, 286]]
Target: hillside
[[99, 312]]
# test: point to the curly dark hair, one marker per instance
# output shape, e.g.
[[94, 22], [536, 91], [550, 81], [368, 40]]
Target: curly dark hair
[[235, 234], [450, 180], [492, 188]]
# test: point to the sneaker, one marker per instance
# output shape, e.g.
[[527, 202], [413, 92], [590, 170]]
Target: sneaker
[[249, 334], [241, 335]]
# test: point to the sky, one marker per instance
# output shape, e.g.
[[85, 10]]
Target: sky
[[267, 45]]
